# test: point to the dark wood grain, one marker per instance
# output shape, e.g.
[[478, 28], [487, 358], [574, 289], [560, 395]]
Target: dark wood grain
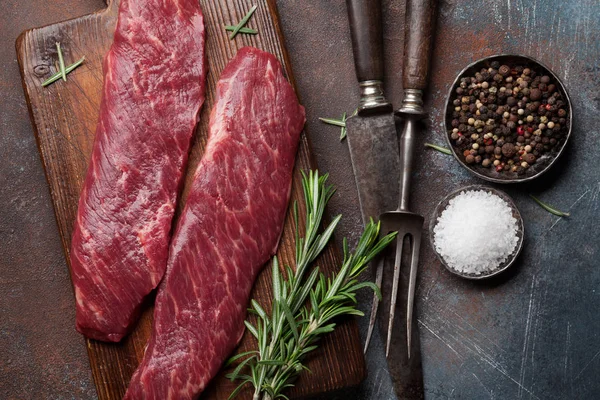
[[366, 30], [419, 30], [64, 117]]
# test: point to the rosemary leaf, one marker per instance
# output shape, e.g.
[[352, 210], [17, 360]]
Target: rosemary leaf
[[238, 356], [441, 149], [333, 121], [303, 308], [343, 130], [61, 62], [243, 22], [549, 208], [239, 388], [248, 31], [68, 70]]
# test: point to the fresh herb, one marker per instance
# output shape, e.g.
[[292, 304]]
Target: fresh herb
[[248, 31], [61, 62], [304, 308], [441, 149], [243, 22], [58, 75], [338, 122], [549, 208]]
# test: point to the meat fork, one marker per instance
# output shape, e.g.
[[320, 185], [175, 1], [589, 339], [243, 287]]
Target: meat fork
[[419, 27]]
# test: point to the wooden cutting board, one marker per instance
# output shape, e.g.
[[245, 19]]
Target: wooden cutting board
[[64, 116]]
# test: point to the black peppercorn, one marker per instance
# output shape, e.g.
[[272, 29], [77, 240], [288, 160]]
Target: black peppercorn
[[508, 150]]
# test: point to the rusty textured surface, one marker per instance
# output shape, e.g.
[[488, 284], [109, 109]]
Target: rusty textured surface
[[532, 334]]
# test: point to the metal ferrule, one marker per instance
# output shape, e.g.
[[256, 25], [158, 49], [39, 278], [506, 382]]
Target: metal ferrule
[[412, 102], [371, 96]]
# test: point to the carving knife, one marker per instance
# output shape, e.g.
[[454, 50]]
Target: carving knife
[[371, 134]]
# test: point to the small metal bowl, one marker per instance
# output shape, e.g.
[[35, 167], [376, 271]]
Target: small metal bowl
[[515, 212], [543, 163]]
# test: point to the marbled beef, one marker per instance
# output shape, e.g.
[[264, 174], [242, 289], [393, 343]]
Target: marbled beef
[[229, 228], [154, 79]]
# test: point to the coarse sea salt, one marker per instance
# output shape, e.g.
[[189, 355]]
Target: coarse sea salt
[[476, 232]]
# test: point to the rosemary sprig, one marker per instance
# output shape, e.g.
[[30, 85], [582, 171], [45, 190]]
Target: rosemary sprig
[[441, 149], [58, 75], [549, 208], [304, 308], [243, 22], [249, 31], [61, 62], [339, 122]]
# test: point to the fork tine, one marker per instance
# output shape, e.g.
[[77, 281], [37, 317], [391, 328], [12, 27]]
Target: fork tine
[[396, 281], [412, 282], [375, 305]]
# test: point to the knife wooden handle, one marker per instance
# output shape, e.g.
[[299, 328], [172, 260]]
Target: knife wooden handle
[[419, 28], [367, 38]]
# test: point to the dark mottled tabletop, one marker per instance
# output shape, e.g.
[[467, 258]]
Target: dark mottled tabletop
[[534, 333]]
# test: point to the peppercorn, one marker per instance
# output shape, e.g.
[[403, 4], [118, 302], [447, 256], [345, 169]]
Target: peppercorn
[[535, 94], [486, 162], [504, 70], [508, 150], [545, 79], [470, 159], [500, 106]]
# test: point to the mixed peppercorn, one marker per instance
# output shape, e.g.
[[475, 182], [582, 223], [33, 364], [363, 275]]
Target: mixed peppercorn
[[508, 117]]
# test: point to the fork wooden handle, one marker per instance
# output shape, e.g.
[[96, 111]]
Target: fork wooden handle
[[419, 28]]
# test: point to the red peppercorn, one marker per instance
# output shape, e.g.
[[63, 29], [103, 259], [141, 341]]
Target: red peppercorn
[[548, 107], [530, 129], [499, 168], [459, 134], [520, 131]]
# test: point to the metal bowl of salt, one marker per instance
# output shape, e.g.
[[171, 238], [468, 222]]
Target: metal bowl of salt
[[502, 266], [543, 163]]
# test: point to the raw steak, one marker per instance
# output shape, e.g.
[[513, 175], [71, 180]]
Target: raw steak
[[229, 228], [154, 79]]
